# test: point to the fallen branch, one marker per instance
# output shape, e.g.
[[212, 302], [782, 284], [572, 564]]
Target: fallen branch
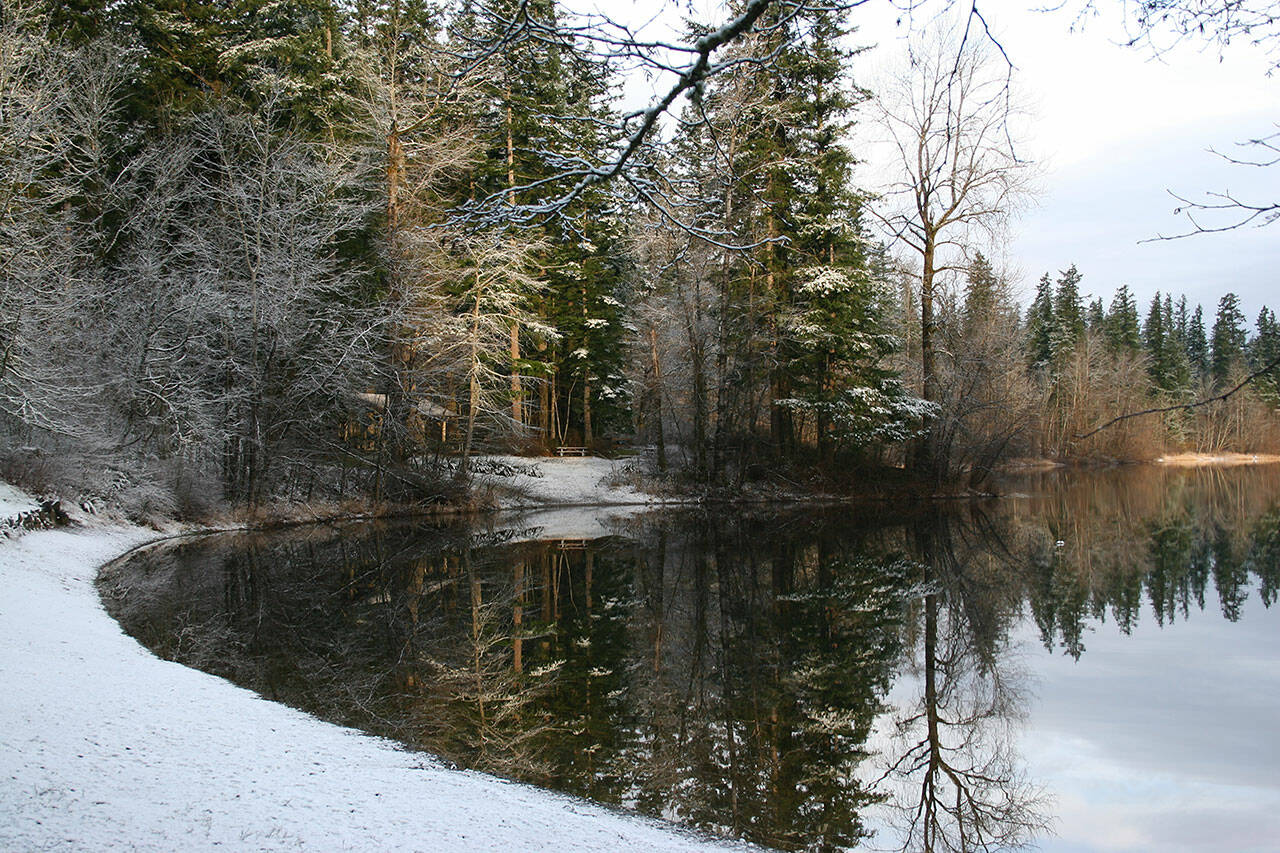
[[1188, 406]]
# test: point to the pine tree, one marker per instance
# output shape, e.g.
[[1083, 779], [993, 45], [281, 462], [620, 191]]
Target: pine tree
[[78, 22], [1069, 325], [1041, 325], [290, 56], [1228, 339], [981, 292], [1197, 344], [1096, 316], [1155, 340], [1175, 368], [1182, 321], [179, 43], [1265, 349], [821, 274], [1121, 327]]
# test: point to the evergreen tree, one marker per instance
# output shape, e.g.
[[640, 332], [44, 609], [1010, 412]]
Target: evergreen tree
[[1265, 349], [1197, 344], [1041, 325], [1168, 366], [77, 22], [291, 56], [1182, 321], [1175, 369], [817, 313], [1121, 327], [179, 42], [1155, 338], [1228, 340], [1068, 313], [981, 292], [1096, 316]]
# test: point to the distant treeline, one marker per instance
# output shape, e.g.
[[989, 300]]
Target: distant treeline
[[1040, 383]]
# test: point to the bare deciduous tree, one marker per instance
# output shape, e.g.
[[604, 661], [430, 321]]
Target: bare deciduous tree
[[956, 172]]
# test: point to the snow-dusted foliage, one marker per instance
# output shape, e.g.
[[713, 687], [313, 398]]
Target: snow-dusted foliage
[[865, 415]]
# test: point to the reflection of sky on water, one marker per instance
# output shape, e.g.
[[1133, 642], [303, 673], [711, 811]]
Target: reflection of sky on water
[[1163, 740]]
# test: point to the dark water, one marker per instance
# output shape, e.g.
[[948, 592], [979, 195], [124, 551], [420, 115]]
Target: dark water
[[1094, 664]]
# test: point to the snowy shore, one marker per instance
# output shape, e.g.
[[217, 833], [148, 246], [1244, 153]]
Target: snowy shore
[[103, 746]]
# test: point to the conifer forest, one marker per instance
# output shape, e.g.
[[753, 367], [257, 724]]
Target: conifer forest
[[254, 250]]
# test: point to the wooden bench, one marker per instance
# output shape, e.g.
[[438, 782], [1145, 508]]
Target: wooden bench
[[571, 451]]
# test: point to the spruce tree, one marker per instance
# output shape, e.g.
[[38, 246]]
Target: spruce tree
[[290, 56], [1155, 340], [1041, 325], [1069, 325], [1197, 344], [1228, 339], [1265, 349], [1175, 369], [1096, 316], [981, 292], [1121, 326]]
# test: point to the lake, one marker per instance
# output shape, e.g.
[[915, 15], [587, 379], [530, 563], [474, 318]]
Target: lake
[[1092, 663]]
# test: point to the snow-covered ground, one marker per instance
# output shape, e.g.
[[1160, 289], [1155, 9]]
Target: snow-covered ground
[[14, 501], [559, 482], [103, 746]]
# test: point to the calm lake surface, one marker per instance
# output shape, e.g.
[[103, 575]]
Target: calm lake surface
[[1091, 664]]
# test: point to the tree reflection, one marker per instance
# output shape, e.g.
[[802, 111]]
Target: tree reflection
[[952, 775]]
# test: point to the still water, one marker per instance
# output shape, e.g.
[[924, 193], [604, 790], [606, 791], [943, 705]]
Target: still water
[[1090, 664]]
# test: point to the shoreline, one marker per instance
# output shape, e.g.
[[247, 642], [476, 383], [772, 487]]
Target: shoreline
[[1224, 460], [108, 747]]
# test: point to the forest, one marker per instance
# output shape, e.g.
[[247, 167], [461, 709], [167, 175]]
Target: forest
[[254, 250]]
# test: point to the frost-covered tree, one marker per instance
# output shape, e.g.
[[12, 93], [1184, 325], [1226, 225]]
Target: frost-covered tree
[[1121, 325], [1041, 325], [259, 335], [61, 134], [1068, 313], [493, 289]]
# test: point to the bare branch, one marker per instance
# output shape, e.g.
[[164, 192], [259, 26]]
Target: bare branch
[[1186, 406]]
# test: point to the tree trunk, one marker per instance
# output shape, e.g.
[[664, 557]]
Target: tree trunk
[[657, 397], [517, 402]]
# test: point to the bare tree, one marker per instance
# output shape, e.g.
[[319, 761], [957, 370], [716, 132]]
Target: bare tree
[[947, 116], [58, 109], [987, 402], [1160, 26]]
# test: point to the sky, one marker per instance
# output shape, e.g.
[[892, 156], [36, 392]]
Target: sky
[[1115, 129]]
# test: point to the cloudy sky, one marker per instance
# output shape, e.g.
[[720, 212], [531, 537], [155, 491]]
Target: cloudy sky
[[1115, 130]]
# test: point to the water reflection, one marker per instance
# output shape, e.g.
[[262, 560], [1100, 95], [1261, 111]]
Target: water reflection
[[793, 679]]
